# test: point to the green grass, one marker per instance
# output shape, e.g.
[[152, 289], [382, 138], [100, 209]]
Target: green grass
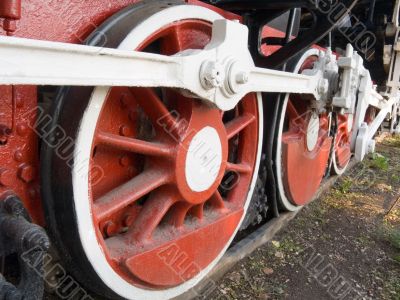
[[288, 245], [395, 178], [392, 289], [345, 185], [379, 162], [364, 240], [397, 258], [394, 238]]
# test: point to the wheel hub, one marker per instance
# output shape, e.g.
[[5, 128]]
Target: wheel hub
[[203, 160], [201, 156]]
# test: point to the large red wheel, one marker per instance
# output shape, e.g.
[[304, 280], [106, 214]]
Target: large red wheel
[[160, 182], [303, 146]]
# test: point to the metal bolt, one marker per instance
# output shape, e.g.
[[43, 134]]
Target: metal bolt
[[110, 228], [125, 131], [18, 155], [5, 177], [128, 220], [10, 26], [22, 130], [27, 173], [212, 74], [125, 161], [242, 77]]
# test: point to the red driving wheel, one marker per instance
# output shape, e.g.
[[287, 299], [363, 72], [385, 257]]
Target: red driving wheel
[[167, 205], [303, 148]]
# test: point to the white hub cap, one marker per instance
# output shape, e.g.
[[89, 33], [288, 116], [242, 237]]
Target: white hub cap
[[203, 160], [312, 132]]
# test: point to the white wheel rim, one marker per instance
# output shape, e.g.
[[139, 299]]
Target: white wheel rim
[[278, 166]]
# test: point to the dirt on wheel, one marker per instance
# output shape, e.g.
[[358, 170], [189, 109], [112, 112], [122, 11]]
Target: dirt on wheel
[[345, 245]]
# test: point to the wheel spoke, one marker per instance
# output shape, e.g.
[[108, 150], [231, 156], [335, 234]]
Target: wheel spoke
[[292, 111], [154, 108], [238, 124], [197, 211], [133, 145], [178, 213], [217, 201], [239, 168], [153, 211], [323, 122], [128, 193], [172, 43]]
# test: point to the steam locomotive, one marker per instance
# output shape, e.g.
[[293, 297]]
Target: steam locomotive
[[139, 139]]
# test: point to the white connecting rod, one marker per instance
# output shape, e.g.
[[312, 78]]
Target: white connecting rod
[[222, 73]]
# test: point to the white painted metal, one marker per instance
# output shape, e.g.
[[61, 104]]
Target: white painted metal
[[266, 80], [49, 63], [365, 142], [358, 93], [203, 160], [350, 122], [350, 67], [25, 61], [81, 169], [312, 132]]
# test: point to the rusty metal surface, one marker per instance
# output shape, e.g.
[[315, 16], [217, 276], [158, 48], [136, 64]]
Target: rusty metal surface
[[10, 9], [64, 21], [19, 148]]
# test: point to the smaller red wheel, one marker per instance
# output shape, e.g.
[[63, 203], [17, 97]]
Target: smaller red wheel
[[303, 146]]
